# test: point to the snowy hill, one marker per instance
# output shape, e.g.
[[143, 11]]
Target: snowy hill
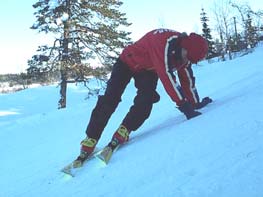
[[217, 154]]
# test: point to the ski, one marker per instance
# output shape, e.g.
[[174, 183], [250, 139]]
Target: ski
[[105, 154], [72, 167], [102, 155]]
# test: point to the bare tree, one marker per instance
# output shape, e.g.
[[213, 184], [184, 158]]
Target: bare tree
[[250, 21], [222, 15]]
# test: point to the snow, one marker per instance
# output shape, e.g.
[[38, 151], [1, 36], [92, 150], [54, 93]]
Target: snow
[[53, 4], [217, 154]]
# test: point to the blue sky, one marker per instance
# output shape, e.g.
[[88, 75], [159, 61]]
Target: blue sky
[[18, 42]]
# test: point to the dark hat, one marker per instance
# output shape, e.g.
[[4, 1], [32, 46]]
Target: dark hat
[[196, 46]]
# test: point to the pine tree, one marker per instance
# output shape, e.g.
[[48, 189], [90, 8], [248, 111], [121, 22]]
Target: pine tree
[[251, 36], [83, 30], [207, 32]]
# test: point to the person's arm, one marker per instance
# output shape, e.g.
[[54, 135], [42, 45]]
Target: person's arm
[[187, 81], [170, 84]]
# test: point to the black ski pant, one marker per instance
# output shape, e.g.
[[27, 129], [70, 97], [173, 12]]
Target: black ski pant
[[145, 82]]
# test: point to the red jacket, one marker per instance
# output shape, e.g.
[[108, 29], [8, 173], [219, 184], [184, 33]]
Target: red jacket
[[156, 51]]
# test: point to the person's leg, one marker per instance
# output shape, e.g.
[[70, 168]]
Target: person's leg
[[146, 83], [107, 103]]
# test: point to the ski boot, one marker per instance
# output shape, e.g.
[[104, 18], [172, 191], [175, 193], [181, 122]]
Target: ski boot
[[119, 137], [87, 148]]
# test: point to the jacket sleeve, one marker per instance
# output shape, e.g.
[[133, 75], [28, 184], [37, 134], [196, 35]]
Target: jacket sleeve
[[170, 84], [187, 81]]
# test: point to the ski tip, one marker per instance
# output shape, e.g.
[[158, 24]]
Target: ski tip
[[105, 155], [102, 160], [67, 170], [67, 173]]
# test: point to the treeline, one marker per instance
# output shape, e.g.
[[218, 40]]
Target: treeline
[[236, 27], [16, 82], [11, 80], [21, 81]]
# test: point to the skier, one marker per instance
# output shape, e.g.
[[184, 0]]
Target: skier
[[158, 54]]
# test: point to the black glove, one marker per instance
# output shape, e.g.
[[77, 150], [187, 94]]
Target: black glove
[[203, 103], [188, 110]]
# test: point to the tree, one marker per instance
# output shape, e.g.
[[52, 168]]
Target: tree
[[83, 30], [222, 14], [250, 31], [207, 32], [251, 36]]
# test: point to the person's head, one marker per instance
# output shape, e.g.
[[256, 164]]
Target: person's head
[[196, 47]]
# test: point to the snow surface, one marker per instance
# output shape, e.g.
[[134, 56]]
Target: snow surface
[[218, 154]]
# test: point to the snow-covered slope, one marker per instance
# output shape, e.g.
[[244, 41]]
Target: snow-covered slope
[[218, 154]]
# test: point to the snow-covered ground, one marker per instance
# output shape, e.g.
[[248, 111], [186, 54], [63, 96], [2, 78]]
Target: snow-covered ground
[[217, 154]]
